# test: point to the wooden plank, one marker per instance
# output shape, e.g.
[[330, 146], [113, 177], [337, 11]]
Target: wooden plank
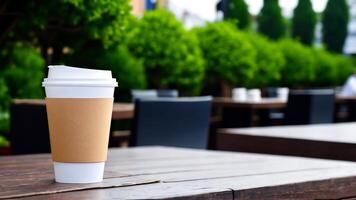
[[331, 141], [340, 132], [183, 173], [123, 111], [265, 103], [244, 187]]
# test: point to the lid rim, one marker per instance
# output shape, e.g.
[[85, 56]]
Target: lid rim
[[57, 85], [82, 84]]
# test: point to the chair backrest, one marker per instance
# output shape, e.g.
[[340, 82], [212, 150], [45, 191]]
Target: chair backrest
[[271, 92], [143, 94], [310, 107], [180, 122], [29, 129], [167, 93]]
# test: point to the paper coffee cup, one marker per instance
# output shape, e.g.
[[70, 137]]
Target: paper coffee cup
[[79, 106], [239, 94], [254, 95], [282, 94]]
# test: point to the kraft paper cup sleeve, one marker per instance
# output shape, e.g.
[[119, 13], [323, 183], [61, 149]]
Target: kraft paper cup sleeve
[[79, 128]]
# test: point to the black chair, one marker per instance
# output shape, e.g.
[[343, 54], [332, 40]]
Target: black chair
[[274, 114], [310, 107], [29, 129], [179, 122], [167, 93]]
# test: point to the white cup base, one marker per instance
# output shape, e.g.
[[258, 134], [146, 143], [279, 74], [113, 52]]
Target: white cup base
[[79, 172]]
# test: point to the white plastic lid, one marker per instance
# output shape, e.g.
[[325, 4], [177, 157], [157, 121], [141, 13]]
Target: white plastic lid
[[61, 75]]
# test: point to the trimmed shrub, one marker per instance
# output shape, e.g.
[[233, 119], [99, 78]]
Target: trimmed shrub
[[325, 68], [230, 58], [170, 54], [345, 67], [298, 70], [269, 61]]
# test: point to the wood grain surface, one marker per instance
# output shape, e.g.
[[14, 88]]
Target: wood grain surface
[[185, 174], [266, 103], [332, 141]]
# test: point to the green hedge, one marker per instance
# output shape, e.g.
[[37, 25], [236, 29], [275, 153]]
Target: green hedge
[[269, 61], [170, 54], [345, 67], [228, 54], [325, 68], [298, 70], [22, 71]]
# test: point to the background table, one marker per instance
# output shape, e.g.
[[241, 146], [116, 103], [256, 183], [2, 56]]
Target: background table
[[249, 113], [120, 110], [243, 113], [333, 141], [160, 172]]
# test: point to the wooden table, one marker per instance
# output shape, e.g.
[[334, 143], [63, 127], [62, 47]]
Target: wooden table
[[265, 103], [246, 113], [120, 110], [332, 141], [173, 173], [243, 113]]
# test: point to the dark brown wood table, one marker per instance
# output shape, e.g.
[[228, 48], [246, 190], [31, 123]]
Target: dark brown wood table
[[244, 113], [332, 141], [120, 110], [265, 103], [248, 113], [174, 173]]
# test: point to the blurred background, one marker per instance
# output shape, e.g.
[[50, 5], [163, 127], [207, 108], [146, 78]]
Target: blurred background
[[199, 47]]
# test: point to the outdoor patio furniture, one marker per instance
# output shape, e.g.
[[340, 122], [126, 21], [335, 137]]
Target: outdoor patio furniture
[[180, 122], [176, 173], [243, 113], [272, 116], [29, 128], [310, 107], [331, 141], [167, 93], [140, 94]]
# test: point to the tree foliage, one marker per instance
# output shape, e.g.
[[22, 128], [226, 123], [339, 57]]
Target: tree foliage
[[22, 70], [299, 67], [170, 54], [269, 61], [335, 21], [228, 54], [270, 20], [345, 67], [238, 9], [63, 23], [325, 68], [303, 22]]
